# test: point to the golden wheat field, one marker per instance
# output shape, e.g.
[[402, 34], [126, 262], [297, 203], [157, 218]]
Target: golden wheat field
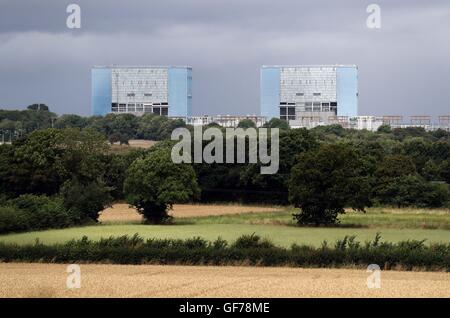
[[49, 280], [121, 212]]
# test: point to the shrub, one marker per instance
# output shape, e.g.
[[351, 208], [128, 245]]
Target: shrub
[[436, 195], [248, 249], [123, 139], [13, 220], [42, 212], [32, 212], [252, 241], [85, 199], [412, 190]]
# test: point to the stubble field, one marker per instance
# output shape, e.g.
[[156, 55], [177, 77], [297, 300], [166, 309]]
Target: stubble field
[[121, 212], [49, 280]]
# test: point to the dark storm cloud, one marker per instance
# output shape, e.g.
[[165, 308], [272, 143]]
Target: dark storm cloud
[[403, 67]]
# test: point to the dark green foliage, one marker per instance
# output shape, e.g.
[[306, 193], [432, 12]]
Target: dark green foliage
[[13, 220], [154, 183], [398, 184], [445, 172], [325, 181], [37, 116], [395, 166], [245, 183], [71, 121], [439, 150], [412, 190], [38, 107], [116, 166], [292, 144], [26, 121], [153, 127], [432, 171], [409, 132], [335, 130], [68, 162], [277, 123], [43, 161], [246, 123], [120, 124], [252, 241], [249, 249], [419, 150], [440, 134], [31, 212], [384, 129], [118, 137], [85, 199]]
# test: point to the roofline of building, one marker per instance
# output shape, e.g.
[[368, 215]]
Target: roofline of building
[[142, 66], [312, 65]]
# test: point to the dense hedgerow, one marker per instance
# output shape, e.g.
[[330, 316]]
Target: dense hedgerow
[[249, 249], [13, 220], [35, 212]]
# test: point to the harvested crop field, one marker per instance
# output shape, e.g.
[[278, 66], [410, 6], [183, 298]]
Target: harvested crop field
[[49, 280], [121, 212]]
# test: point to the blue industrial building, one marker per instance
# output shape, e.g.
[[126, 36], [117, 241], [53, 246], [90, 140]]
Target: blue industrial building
[[161, 90], [309, 92]]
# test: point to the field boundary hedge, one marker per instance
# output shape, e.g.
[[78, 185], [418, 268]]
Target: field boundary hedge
[[246, 250]]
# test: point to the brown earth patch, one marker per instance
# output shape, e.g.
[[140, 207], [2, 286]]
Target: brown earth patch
[[121, 212]]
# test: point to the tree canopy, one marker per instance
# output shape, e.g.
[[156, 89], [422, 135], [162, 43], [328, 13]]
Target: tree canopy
[[325, 181], [154, 183]]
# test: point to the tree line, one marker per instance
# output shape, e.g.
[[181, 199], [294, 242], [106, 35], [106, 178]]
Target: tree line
[[66, 176], [116, 127]]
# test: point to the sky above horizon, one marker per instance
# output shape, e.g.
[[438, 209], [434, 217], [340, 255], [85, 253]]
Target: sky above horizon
[[404, 66]]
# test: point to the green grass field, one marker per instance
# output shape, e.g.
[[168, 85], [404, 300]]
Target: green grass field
[[280, 235], [277, 226], [373, 218]]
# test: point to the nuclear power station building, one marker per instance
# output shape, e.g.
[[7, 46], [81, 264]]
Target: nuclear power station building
[[306, 94], [161, 90]]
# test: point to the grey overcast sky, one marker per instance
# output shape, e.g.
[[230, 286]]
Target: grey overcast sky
[[404, 67]]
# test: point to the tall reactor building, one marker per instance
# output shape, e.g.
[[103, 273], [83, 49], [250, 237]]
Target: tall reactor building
[[161, 90], [309, 93]]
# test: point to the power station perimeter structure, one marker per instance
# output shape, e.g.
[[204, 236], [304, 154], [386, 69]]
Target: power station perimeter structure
[[305, 94], [161, 90]]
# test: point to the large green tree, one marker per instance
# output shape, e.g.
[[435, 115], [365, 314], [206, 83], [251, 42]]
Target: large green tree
[[48, 159], [154, 183], [397, 183], [325, 181]]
